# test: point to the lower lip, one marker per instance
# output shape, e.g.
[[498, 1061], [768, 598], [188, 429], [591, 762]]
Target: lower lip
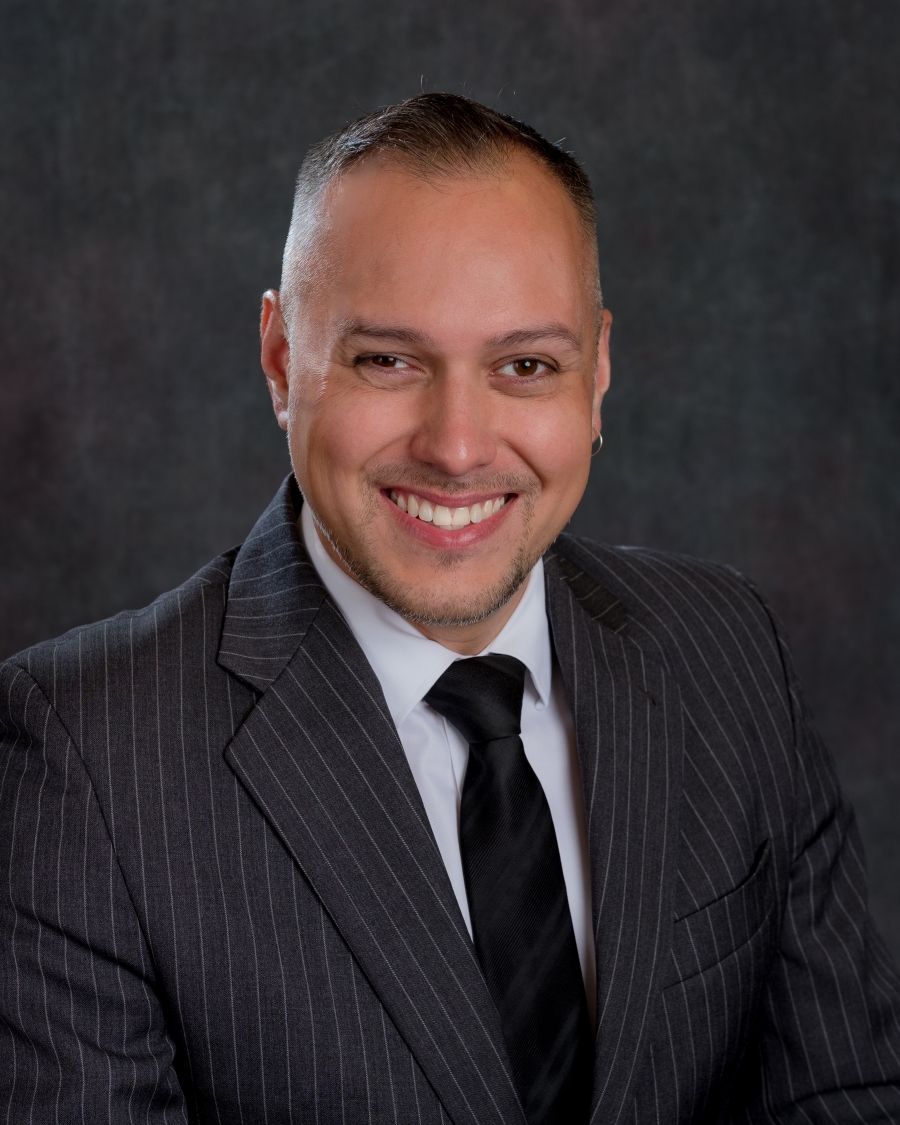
[[460, 540]]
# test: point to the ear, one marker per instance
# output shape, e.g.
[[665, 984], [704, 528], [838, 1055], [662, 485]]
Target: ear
[[601, 382], [275, 354]]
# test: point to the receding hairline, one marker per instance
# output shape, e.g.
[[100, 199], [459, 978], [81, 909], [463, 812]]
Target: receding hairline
[[432, 137]]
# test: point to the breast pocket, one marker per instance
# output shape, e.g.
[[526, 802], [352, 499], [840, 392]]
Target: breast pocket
[[716, 931]]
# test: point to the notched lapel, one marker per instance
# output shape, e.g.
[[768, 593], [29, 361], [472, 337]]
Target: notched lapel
[[321, 758], [628, 722], [273, 595]]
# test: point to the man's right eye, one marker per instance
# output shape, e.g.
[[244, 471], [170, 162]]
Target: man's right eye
[[388, 361]]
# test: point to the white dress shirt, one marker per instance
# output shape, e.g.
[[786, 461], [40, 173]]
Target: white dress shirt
[[407, 664]]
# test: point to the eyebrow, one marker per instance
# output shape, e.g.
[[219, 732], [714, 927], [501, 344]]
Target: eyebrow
[[518, 337], [395, 332]]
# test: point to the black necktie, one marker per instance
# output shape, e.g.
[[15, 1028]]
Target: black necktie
[[517, 895]]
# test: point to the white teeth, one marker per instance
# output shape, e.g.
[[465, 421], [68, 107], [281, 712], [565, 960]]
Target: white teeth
[[443, 516]]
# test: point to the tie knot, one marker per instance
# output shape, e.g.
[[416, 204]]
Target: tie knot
[[481, 697]]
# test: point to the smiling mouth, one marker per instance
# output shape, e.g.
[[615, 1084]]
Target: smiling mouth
[[449, 519]]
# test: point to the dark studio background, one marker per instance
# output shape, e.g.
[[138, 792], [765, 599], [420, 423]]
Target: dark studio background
[[746, 163]]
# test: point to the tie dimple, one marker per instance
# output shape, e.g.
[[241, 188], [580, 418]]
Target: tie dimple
[[521, 923]]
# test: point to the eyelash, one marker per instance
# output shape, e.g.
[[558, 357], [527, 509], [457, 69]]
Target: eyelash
[[544, 364], [361, 359]]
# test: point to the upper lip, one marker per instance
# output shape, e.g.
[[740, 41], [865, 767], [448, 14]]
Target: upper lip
[[466, 500]]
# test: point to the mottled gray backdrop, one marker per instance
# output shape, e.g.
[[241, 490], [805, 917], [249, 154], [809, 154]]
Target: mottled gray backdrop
[[746, 162]]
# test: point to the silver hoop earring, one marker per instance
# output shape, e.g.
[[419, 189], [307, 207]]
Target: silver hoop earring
[[599, 439]]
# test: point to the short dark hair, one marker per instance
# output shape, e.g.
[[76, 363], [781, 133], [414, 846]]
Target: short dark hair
[[434, 134]]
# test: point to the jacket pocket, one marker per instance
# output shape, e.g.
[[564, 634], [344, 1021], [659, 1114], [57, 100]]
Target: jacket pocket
[[709, 935]]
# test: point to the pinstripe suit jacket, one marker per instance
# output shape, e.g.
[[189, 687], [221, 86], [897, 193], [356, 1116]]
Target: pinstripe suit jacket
[[220, 900]]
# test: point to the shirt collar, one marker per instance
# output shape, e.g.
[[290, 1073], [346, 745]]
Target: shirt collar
[[407, 663]]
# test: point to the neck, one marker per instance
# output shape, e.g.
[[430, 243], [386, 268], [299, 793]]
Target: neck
[[469, 640]]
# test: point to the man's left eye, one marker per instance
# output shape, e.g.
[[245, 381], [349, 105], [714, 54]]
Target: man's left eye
[[523, 367]]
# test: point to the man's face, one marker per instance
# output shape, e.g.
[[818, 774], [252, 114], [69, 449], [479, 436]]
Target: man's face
[[441, 385]]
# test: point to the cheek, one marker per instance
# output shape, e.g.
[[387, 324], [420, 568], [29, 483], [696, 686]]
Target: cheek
[[346, 432], [554, 440]]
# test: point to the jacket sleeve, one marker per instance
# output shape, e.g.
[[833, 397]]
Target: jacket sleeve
[[830, 1035], [82, 1033]]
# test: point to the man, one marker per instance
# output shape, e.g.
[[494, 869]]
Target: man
[[413, 808]]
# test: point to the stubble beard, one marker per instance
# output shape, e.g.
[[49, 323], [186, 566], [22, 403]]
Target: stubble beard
[[419, 605]]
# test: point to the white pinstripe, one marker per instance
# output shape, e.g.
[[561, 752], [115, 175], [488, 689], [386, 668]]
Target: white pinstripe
[[168, 956]]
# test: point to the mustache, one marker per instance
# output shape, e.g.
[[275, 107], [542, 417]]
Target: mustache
[[394, 474]]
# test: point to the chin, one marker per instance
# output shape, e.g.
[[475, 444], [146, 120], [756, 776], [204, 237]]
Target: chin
[[441, 595], [424, 602], [450, 612]]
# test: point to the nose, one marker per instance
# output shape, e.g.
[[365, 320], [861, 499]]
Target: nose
[[455, 434]]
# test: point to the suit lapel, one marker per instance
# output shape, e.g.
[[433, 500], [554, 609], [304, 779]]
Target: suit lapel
[[322, 760], [273, 595], [627, 715]]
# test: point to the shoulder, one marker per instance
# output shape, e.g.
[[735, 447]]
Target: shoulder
[[685, 611], [747, 731], [120, 647], [662, 588]]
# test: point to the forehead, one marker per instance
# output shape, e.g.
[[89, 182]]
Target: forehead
[[504, 242]]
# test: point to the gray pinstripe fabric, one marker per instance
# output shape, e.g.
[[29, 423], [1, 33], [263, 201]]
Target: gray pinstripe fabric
[[220, 900]]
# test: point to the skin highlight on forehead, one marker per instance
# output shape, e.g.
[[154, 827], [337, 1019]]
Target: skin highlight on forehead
[[306, 265]]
